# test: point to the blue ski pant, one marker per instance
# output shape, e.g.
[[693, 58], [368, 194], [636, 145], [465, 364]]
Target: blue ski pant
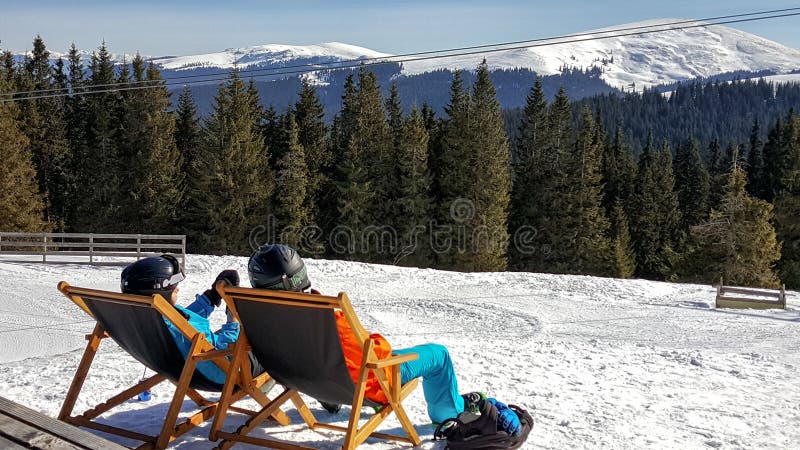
[[438, 380]]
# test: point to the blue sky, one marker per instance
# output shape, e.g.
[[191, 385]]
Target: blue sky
[[158, 28]]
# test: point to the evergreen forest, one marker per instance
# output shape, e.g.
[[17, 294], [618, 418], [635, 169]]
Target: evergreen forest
[[694, 185]]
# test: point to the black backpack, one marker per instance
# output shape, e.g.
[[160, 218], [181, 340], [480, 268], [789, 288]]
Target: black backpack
[[481, 433]]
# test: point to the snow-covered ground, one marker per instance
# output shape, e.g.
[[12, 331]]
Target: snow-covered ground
[[600, 363]]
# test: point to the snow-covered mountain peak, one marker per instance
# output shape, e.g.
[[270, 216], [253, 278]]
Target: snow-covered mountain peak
[[632, 59], [270, 55]]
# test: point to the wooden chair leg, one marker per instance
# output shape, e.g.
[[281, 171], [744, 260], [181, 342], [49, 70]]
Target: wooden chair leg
[[358, 399], [83, 370], [167, 431], [225, 400]]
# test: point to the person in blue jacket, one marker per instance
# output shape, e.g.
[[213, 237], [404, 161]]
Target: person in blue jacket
[[161, 275]]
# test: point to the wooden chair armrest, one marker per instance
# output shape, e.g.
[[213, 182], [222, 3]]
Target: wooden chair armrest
[[212, 354], [392, 361]]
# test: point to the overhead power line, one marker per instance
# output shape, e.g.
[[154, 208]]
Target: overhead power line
[[387, 59], [418, 56]]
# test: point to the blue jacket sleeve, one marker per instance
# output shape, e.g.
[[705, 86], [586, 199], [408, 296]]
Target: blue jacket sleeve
[[201, 306], [225, 335]]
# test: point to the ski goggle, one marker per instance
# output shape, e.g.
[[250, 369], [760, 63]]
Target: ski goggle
[[177, 274], [288, 283]]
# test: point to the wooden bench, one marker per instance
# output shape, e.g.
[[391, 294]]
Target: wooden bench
[[747, 298], [24, 428]]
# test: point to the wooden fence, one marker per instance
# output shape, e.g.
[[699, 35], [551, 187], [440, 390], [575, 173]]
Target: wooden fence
[[89, 248]]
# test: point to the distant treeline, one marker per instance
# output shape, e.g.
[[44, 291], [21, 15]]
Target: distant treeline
[[567, 193]]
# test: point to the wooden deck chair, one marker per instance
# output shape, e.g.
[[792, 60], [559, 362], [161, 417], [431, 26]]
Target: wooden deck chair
[[137, 324], [294, 336]]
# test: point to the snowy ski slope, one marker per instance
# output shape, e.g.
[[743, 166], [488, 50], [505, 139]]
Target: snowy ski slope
[[600, 363]]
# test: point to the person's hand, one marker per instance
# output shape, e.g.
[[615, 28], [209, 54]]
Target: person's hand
[[230, 277]]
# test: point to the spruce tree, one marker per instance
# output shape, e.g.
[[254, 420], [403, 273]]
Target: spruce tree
[[619, 172], [275, 128], [159, 186], [76, 116], [291, 181], [99, 192], [623, 257], [655, 218], [692, 182], [336, 174], [391, 215], [228, 195], [43, 124], [787, 205], [21, 205], [312, 132], [366, 160], [414, 202], [737, 243], [588, 250], [489, 180], [526, 171], [755, 163], [774, 160], [188, 132], [452, 168]]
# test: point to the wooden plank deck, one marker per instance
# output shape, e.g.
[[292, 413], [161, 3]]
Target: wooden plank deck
[[24, 428]]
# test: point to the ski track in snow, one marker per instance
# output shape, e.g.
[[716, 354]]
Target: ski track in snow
[[600, 363]]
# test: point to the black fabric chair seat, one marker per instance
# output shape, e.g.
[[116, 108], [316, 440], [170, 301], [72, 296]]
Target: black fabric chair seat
[[143, 333], [300, 348]]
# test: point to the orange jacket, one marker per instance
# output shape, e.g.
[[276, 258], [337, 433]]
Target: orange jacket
[[354, 352]]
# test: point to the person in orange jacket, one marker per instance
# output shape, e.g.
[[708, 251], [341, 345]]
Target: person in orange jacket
[[275, 266]]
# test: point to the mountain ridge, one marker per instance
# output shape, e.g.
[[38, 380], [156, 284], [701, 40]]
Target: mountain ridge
[[633, 61]]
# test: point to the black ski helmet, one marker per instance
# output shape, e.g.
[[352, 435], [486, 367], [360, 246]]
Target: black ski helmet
[[277, 266], [153, 275]]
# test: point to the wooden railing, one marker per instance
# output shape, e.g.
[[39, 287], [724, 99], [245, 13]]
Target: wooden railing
[[89, 248]]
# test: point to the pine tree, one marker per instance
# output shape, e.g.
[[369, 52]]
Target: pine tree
[[229, 192], [291, 181], [692, 182], [737, 242], [655, 218], [21, 205]]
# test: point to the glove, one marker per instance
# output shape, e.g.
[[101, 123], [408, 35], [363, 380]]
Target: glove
[[507, 419], [230, 277]]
